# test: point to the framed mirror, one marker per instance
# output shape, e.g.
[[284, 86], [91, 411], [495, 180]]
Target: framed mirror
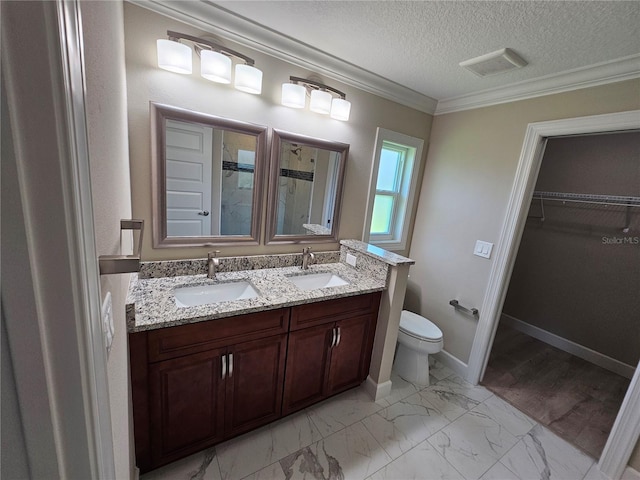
[[305, 188], [207, 178]]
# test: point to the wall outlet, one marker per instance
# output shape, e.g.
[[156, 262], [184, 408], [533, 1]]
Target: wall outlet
[[107, 322], [351, 259]]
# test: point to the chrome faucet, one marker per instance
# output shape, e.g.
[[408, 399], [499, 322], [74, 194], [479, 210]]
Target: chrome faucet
[[306, 256], [213, 262]]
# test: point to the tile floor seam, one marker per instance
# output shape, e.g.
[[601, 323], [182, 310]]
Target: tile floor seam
[[332, 432], [372, 434], [381, 446], [507, 467], [445, 459], [520, 439], [266, 466]]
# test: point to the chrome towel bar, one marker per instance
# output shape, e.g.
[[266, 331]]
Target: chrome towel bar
[[123, 263], [473, 311]]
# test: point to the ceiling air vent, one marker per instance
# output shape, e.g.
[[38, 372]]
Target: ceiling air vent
[[493, 63]]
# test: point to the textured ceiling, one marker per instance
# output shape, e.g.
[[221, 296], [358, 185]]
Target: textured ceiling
[[418, 44]]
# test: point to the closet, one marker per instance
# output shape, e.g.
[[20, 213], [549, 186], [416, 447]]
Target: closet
[[569, 336]]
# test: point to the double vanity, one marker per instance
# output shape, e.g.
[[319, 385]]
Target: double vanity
[[214, 358]]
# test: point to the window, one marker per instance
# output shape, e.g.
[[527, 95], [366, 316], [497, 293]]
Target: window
[[392, 190]]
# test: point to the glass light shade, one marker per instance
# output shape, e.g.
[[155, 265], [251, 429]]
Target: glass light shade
[[174, 56], [320, 102], [215, 66], [340, 109], [248, 79], [293, 95]]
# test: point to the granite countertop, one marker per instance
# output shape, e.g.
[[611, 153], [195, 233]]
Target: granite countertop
[[378, 253], [151, 303]]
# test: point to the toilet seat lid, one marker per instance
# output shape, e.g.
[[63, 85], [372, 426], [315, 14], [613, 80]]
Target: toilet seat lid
[[417, 326]]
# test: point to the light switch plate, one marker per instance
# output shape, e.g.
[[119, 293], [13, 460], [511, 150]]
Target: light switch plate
[[483, 249], [351, 259]]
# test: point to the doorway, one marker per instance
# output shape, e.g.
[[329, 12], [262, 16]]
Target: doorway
[[568, 337], [626, 429]]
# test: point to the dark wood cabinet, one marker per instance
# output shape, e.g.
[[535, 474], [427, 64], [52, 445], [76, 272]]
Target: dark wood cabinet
[[198, 384], [333, 354], [195, 385], [186, 405], [350, 357], [254, 384], [307, 367]]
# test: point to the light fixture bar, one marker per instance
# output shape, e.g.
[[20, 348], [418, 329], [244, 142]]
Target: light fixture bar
[[213, 45], [319, 85], [322, 101]]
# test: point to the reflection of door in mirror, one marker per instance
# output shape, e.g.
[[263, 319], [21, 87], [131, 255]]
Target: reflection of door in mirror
[[189, 156], [209, 180], [306, 188]]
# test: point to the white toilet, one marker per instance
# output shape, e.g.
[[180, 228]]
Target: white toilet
[[417, 338]]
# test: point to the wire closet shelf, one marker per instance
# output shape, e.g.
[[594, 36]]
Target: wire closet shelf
[[612, 200], [628, 202]]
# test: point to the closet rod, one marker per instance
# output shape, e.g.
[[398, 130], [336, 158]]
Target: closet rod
[[613, 200]]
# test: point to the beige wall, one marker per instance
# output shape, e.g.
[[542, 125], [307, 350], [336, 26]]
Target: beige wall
[[146, 82], [468, 176], [110, 187]]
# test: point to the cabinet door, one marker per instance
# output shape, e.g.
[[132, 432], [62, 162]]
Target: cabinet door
[[307, 362], [255, 377], [186, 405], [351, 356]]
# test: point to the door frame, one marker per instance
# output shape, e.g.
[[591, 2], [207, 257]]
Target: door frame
[[56, 340], [626, 429]]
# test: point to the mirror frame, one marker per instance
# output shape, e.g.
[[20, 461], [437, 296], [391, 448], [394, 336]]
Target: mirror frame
[[278, 136], [159, 114]]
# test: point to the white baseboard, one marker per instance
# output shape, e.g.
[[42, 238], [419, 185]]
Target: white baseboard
[[630, 474], [568, 346], [375, 390], [452, 362]]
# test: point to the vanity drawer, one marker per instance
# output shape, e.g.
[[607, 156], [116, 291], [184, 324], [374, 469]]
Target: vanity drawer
[[172, 342], [321, 312]]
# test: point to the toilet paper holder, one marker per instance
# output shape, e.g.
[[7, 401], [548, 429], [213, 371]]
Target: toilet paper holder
[[472, 311]]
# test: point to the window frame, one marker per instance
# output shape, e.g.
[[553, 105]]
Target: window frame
[[405, 196]]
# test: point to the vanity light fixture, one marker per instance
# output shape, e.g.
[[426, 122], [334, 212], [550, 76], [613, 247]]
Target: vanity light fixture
[[294, 95], [174, 56], [320, 102], [322, 97], [215, 64]]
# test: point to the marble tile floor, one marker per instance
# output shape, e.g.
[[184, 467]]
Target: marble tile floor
[[449, 430], [573, 398]]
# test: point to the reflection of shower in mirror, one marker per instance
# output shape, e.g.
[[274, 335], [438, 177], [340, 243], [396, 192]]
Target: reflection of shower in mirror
[[305, 189]]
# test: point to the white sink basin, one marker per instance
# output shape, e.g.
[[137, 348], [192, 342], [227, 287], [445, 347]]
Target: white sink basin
[[313, 281], [220, 292]]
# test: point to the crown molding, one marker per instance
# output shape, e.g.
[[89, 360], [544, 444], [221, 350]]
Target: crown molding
[[216, 20], [625, 68], [219, 21]]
